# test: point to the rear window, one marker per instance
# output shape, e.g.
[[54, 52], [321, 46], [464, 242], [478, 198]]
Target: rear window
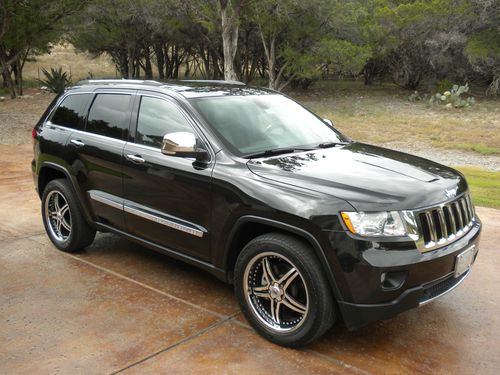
[[110, 115], [70, 112]]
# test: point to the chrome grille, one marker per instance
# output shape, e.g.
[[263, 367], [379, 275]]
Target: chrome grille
[[440, 225]]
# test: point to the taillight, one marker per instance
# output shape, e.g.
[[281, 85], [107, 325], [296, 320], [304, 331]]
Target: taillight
[[34, 133]]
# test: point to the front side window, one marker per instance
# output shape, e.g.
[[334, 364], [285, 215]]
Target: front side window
[[255, 123], [109, 115], [156, 118], [70, 112]]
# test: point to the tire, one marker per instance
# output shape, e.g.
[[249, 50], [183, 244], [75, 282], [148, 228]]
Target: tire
[[63, 219], [296, 288]]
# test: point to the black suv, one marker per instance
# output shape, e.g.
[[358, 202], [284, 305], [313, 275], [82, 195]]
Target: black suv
[[250, 186]]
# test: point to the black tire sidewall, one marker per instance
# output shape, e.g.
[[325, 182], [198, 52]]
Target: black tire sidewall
[[317, 290], [79, 227]]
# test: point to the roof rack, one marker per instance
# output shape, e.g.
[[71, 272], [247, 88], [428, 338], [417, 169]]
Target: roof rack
[[228, 82], [115, 81]]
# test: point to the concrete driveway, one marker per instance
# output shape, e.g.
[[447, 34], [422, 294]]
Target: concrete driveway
[[118, 307]]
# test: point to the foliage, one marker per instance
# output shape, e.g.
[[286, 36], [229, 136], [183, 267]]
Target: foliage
[[452, 98], [26, 29], [55, 80], [415, 97], [444, 85]]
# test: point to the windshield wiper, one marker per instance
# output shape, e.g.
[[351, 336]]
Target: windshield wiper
[[331, 144], [275, 151]]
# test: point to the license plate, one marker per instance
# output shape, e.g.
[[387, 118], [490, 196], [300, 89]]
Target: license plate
[[464, 260]]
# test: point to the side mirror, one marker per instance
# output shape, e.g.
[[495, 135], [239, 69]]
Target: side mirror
[[328, 122], [182, 144]]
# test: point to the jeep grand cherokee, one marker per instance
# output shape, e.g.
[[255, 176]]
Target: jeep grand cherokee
[[243, 182]]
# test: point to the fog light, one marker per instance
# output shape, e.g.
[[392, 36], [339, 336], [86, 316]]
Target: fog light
[[393, 280]]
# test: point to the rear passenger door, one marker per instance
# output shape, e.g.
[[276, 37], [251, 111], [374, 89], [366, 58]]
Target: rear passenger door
[[97, 154]]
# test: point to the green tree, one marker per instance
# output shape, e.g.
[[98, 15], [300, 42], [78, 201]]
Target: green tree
[[27, 28]]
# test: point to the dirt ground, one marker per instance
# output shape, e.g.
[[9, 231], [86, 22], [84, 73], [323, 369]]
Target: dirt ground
[[119, 307], [17, 118]]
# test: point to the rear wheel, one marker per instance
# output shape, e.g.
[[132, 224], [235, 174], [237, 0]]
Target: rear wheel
[[63, 219], [282, 290]]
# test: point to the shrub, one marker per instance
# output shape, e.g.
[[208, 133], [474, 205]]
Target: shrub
[[56, 80], [444, 85], [452, 98]]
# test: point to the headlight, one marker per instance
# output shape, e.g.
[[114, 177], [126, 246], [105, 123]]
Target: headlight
[[373, 224]]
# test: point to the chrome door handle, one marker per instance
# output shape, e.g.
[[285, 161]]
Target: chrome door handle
[[77, 143], [135, 159]]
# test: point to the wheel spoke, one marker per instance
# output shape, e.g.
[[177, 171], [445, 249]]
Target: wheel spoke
[[261, 291], [288, 277], [64, 209], [65, 224], [293, 304], [268, 272], [58, 226], [275, 310], [56, 203]]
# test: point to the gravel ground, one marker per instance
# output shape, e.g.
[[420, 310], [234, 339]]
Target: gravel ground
[[448, 157], [17, 118]]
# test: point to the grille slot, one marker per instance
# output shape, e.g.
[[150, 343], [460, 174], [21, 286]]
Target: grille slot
[[445, 223]]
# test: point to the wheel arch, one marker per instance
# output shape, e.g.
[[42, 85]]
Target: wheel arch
[[248, 227], [51, 171]]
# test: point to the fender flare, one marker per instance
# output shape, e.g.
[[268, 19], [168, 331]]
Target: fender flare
[[74, 186], [289, 228]]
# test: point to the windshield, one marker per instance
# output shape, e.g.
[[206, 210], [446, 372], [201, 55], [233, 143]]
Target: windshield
[[253, 124]]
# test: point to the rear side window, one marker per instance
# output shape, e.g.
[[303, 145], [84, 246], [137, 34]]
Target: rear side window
[[70, 112], [109, 115], [156, 118]]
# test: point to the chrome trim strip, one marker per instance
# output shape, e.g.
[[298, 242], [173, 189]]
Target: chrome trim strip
[[163, 221], [99, 198], [463, 277]]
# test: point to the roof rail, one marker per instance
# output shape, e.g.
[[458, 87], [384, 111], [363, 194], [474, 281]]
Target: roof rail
[[115, 81], [228, 82]]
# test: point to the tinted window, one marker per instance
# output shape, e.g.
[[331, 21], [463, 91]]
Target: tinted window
[[158, 117], [255, 123], [70, 112], [109, 115]]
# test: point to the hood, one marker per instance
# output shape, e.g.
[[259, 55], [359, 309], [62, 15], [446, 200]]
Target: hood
[[370, 178]]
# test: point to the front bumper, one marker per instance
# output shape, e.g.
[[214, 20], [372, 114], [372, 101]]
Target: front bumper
[[429, 277]]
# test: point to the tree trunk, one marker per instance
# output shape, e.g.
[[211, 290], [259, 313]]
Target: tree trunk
[[19, 77], [130, 68], [160, 60], [148, 69], [6, 74], [270, 52], [230, 26]]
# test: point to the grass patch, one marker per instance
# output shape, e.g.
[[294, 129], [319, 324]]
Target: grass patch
[[484, 186], [381, 113], [479, 148]]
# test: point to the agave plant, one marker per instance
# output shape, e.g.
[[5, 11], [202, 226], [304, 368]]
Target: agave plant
[[56, 80]]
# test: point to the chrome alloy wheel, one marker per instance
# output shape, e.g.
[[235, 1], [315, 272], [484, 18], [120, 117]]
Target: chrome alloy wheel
[[276, 292], [58, 216]]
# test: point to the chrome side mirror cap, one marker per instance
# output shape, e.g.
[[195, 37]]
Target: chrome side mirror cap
[[328, 122], [184, 144]]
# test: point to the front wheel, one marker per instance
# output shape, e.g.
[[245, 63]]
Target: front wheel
[[282, 290]]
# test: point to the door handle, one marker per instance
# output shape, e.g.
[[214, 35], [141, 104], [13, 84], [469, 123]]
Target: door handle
[[77, 143], [137, 159]]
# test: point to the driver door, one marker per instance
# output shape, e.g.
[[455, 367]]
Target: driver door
[[167, 198]]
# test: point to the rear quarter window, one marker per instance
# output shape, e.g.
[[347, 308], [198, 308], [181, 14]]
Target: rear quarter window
[[109, 115], [71, 111]]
